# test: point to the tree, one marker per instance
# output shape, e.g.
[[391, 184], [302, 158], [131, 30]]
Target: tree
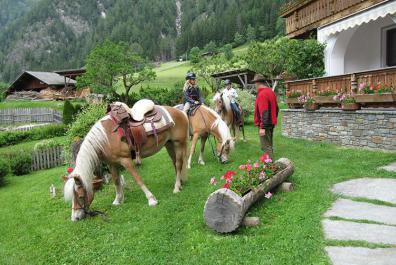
[[283, 56], [228, 53], [250, 34], [195, 55], [109, 62], [238, 39], [211, 47]]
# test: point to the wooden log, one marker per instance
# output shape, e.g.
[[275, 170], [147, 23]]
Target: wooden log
[[225, 210], [286, 187]]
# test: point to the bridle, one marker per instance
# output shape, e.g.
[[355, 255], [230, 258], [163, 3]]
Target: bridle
[[85, 206]]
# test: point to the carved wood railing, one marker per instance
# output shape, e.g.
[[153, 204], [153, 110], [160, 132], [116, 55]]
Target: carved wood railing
[[347, 83], [304, 15]]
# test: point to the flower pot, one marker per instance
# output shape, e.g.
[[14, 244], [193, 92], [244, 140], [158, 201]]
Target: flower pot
[[311, 107], [324, 99], [350, 106]]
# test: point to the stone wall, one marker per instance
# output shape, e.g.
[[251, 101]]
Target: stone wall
[[374, 129]]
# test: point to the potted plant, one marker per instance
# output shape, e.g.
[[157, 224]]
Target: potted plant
[[292, 100], [325, 97], [240, 189], [347, 101], [308, 103], [379, 93]]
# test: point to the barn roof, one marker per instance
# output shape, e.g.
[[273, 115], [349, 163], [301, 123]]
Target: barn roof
[[50, 78]]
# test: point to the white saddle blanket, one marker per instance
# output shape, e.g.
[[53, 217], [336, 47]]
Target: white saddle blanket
[[166, 120]]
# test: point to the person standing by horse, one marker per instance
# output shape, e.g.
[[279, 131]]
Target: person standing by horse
[[192, 93], [265, 114], [232, 95]]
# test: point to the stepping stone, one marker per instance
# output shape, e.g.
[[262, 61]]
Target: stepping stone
[[370, 188], [361, 256], [362, 211], [373, 233], [390, 167]]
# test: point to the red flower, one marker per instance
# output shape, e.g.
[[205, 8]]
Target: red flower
[[70, 170], [372, 87], [227, 186], [264, 157], [228, 175], [378, 86]]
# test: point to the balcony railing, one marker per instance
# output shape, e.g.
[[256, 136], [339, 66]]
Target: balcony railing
[[348, 83], [304, 16]]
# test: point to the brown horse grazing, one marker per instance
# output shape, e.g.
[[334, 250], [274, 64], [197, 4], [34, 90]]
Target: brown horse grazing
[[102, 143], [223, 107], [204, 122]]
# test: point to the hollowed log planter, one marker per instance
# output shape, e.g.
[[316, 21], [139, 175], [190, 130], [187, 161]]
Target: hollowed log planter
[[224, 209], [311, 107], [350, 106]]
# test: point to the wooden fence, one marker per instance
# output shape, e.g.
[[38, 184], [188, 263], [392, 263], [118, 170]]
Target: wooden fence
[[23, 115], [48, 158]]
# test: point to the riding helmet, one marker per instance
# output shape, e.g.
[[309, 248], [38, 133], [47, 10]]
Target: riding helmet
[[227, 82], [191, 76]]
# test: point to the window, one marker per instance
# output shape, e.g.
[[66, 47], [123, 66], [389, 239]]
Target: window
[[391, 47]]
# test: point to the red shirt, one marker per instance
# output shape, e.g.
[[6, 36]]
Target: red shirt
[[266, 108]]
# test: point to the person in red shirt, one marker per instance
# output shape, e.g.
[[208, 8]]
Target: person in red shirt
[[265, 114]]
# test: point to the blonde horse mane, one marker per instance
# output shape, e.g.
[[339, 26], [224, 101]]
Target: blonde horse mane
[[227, 103], [224, 131], [88, 159]]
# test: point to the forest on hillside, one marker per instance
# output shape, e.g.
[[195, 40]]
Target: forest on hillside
[[58, 34]]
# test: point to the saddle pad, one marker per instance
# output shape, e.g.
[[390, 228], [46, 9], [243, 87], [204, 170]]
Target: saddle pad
[[165, 122]]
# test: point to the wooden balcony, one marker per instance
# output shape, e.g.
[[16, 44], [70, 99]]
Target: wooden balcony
[[305, 16], [348, 83]]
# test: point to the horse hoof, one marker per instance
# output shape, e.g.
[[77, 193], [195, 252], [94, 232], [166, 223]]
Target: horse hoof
[[117, 203], [201, 162], [176, 190], [153, 202]]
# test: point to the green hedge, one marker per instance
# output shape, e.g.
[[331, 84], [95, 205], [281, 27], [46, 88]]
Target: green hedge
[[21, 163], [16, 137], [4, 170]]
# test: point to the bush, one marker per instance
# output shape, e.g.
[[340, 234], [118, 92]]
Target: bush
[[45, 144], [246, 100], [68, 112], [4, 170], [163, 96], [20, 163], [50, 131]]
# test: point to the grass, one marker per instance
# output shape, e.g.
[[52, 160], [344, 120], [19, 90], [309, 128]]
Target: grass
[[26, 147], [52, 104], [35, 229]]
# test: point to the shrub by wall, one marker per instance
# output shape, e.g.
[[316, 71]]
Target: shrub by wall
[[4, 170], [20, 163]]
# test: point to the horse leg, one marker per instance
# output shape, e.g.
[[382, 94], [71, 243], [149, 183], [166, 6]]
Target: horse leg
[[181, 155], [201, 154], [170, 147], [128, 165], [119, 199], [193, 144]]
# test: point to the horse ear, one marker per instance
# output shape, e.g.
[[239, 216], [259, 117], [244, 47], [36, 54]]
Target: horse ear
[[77, 180]]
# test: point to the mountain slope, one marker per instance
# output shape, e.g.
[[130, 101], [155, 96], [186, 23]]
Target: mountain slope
[[55, 34]]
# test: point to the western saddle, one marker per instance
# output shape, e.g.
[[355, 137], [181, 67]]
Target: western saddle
[[130, 123]]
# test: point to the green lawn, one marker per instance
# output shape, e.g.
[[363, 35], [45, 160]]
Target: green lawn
[[35, 229], [27, 146], [53, 104]]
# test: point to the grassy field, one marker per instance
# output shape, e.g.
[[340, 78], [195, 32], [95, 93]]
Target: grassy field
[[35, 229], [53, 104], [28, 146]]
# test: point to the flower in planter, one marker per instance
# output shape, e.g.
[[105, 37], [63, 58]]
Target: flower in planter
[[249, 176], [344, 98], [294, 95], [307, 101], [70, 170]]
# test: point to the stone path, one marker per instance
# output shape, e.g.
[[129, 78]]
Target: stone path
[[362, 222]]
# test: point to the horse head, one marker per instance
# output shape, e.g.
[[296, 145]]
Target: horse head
[[219, 103], [81, 197]]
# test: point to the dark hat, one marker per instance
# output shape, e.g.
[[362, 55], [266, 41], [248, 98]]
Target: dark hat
[[227, 82], [191, 76], [258, 78]]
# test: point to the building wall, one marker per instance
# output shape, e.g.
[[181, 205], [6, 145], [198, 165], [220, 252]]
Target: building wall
[[364, 51], [364, 128]]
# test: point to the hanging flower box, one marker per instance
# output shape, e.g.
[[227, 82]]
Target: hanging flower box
[[376, 98], [293, 103], [311, 107], [324, 99], [225, 208]]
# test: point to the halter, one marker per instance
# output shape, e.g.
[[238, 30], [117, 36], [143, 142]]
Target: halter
[[84, 207]]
